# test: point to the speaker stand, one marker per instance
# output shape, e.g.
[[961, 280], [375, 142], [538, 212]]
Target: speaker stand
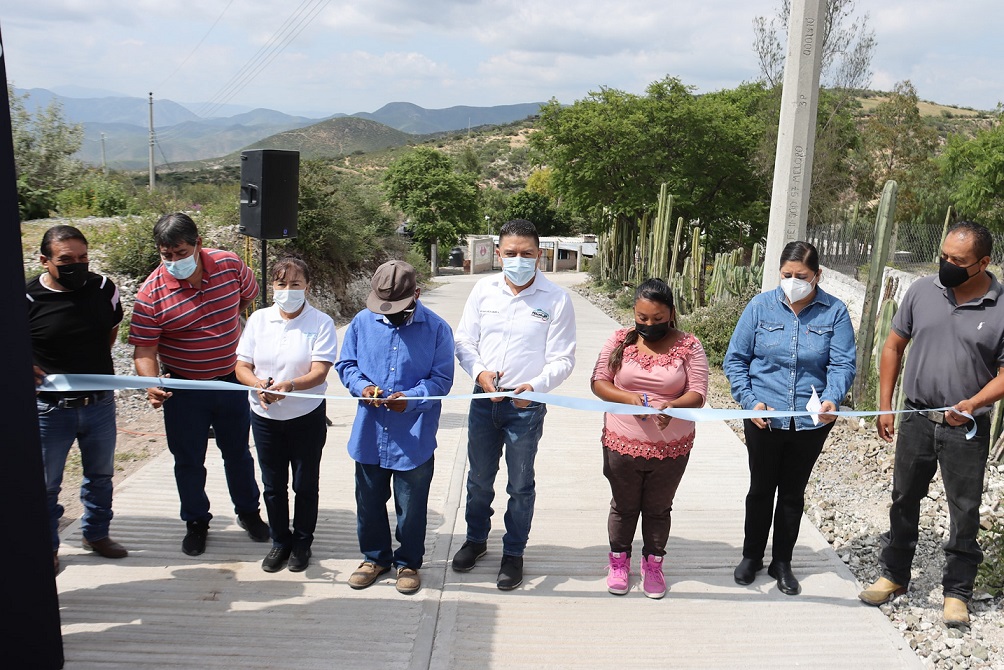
[[263, 298]]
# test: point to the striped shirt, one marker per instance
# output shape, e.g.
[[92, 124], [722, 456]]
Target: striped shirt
[[195, 330]]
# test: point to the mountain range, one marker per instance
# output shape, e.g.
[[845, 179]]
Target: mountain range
[[182, 135]]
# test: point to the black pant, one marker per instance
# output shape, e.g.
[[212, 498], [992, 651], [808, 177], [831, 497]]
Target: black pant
[[921, 447], [282, 445], [780, 462]]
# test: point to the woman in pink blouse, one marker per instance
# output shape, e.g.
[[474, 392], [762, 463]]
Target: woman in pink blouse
[[644, 457]]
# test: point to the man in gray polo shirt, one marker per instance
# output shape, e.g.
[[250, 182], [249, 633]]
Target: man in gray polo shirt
[[956, 323]]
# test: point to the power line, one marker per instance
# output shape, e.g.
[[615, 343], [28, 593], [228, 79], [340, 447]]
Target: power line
[[294, 24], [192, 52], [287, 32]]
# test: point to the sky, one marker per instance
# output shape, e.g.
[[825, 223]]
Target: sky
[[357, 55]]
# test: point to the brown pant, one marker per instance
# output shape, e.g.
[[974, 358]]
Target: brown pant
[[644, 486]]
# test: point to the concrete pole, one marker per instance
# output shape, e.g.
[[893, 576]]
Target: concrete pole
[[104, 164], [796, 137], [153, 174]]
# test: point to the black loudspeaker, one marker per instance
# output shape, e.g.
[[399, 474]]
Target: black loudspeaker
[[270, 185]]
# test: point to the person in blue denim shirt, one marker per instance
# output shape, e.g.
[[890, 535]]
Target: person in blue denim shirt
[[394, 353], [790, 343]]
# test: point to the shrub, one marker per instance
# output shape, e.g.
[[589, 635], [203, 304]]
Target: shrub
[[96, 195], [418, 261], [713, 325], [342, 225], [129, 247]]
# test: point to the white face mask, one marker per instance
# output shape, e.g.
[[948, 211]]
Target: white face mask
[[289, 301], [796, 289], [519, 270]]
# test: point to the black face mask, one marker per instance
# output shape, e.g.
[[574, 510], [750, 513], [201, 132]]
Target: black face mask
[[652, 332], [72, 276], [402, 316], [951, 275]]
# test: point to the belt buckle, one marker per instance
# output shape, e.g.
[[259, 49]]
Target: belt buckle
[[936, 416]]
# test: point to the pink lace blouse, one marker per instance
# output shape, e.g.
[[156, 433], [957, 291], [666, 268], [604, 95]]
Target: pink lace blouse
[[665, 377]]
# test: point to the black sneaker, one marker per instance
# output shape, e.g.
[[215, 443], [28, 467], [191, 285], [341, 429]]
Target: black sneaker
[[299, 559], [511, 573], [465, 559], [275, 559], [195, 540], [256, 528]]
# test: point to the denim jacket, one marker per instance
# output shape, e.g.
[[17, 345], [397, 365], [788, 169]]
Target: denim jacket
[[776, 357]]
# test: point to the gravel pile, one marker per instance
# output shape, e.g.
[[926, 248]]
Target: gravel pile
[[848, 498]]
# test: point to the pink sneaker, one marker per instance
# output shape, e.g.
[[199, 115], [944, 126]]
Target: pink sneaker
[[619, 573], [652, 581]]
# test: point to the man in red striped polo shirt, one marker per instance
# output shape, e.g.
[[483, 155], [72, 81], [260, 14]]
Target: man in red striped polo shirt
[[185, 324]]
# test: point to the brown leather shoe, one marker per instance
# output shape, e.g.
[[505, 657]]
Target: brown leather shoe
[[956, 613], [408, 581], [366, 574], [881, 592], [106, 547]]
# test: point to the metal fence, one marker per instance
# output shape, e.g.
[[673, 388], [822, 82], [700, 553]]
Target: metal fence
[[846, 247]]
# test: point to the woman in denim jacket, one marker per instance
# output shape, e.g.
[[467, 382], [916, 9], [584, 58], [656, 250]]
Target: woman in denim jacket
[[789, 343]]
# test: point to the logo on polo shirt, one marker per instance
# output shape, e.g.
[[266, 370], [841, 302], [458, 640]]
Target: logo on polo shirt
[[540, 315]]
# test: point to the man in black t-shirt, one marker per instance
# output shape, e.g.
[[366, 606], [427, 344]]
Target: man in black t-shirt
[[74, 317]]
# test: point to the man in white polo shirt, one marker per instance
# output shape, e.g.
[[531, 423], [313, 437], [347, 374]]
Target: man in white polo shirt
[[517, 334]]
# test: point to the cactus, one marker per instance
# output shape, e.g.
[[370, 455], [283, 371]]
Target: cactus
[[882, 328], [659, 263], [696, 267], [880, 253], [677, 241]]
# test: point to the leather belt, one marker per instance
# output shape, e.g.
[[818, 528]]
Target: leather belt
[[73, 402], [933, 415]]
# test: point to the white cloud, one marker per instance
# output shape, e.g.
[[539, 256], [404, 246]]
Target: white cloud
[[359, 54]]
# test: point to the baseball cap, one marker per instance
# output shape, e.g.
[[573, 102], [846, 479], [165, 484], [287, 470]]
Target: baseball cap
[[393, 285]]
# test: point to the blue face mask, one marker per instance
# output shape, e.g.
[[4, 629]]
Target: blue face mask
[[519, 270], [182, 269]]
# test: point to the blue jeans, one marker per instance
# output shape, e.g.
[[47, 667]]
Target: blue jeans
[[93, 427], [295, 443], [921, 447], [490, 425], [411, 503], [188, 416]]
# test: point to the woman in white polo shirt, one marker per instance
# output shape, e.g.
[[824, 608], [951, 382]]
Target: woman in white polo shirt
[[288, 347]]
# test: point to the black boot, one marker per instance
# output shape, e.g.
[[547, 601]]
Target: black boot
[[786, 582], [746, 571]]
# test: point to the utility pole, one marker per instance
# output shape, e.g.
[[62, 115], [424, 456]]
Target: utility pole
[[104, 165], [153, 174], [796, 137]]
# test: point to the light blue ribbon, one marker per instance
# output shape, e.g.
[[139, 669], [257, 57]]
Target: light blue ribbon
[[75, 383]]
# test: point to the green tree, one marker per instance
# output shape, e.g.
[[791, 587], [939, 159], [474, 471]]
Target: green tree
[[492, 205], [537, 208], [973, 169], [897, 144], [610, 152], [44, 144], [441, 204]]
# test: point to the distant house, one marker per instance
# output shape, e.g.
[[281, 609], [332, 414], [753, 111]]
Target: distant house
[[558, 253]]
